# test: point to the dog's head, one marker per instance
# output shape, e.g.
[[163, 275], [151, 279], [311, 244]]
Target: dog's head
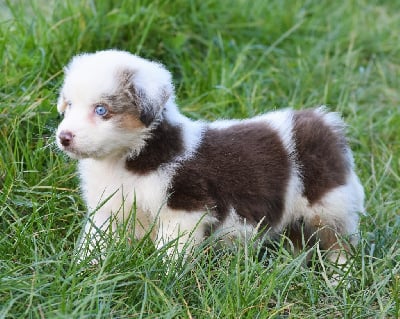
[[109, 100]]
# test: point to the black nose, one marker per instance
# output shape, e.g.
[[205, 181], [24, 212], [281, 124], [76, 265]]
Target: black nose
[[65, 138]]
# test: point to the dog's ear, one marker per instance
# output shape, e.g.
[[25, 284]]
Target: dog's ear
[[149, 91], [61, 104], [149, 108], [61, 101]]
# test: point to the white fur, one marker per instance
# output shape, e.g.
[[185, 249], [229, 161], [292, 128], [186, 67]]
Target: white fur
[[236, 227], [110, 190]]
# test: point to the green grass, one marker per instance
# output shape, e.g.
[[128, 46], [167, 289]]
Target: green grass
[[229, 59]]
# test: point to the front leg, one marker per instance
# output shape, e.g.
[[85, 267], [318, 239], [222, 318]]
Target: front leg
[[93, 236], [186, 228]]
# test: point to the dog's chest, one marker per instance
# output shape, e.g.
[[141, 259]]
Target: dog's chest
[[107, 184]]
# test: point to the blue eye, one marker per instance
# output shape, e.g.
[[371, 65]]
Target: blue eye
[[100, 110]]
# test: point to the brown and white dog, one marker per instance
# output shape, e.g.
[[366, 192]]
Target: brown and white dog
[[284, 170]]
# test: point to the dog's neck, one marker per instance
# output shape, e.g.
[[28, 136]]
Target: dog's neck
[[165, 142]]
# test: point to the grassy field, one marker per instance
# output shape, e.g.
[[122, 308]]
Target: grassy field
[[230, 59]]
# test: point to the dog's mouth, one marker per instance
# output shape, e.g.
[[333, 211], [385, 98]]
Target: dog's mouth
[[77, 153], [66, 142], [73, 152]]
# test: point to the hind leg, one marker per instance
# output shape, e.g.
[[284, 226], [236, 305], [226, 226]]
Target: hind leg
[[336, 216], [334, 223], [330, 235], [334, 236], [187, 229]]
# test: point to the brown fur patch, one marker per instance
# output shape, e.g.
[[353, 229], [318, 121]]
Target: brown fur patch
[[129, 122], [306, 234], [300, 235], [244, 167], [164, 144], [321, 155], [328, 238]]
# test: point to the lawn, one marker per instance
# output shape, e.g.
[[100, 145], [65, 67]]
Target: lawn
[[230, 59]]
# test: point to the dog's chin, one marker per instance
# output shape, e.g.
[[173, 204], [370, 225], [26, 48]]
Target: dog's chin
[[74, 154], [99, 154]]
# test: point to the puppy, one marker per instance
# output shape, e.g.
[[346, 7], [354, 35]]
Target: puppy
[[285, 171]]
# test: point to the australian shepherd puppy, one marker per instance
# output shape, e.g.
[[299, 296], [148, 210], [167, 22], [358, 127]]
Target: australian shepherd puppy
[[285, 171]]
